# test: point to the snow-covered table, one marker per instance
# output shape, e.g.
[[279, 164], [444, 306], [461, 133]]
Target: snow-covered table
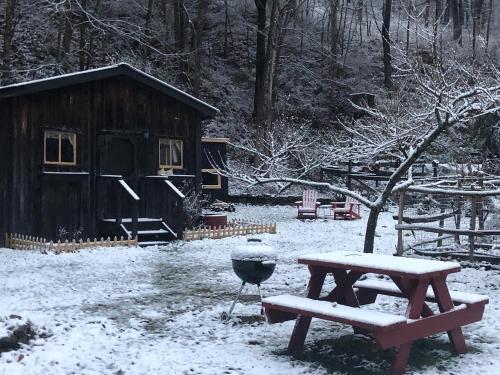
[[419, 280]]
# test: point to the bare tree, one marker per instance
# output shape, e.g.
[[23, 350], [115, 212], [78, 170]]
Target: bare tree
[[448, 99], [269, 45]]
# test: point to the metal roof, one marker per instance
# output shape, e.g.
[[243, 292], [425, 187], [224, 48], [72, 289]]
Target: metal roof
[[121, 69]]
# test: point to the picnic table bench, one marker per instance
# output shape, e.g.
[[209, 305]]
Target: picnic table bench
[[419, 280]]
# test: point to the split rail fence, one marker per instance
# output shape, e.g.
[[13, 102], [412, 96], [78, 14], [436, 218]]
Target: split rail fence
[[233, 229], [453, 205], [23, 242]]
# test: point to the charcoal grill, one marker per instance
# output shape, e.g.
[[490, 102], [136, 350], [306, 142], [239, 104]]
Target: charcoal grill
[[253, 263]]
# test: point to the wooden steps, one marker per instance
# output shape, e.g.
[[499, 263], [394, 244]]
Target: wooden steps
[[150, 231]]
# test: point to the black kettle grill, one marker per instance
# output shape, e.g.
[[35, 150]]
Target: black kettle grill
[[253, 264]]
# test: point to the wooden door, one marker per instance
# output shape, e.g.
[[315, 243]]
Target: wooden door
[[118, 155]]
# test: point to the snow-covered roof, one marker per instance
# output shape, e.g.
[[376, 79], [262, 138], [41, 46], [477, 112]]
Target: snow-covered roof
[[124, 69]]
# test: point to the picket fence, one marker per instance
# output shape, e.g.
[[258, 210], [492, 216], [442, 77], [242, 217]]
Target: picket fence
[[234, 229], [23, 242]]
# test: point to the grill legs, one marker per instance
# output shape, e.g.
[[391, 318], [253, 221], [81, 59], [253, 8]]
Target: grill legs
[[227, 315]]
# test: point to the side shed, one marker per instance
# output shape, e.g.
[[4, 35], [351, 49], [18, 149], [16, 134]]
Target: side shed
[[214, 155]]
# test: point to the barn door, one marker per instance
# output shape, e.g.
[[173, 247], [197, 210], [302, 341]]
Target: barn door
[[117, 157]]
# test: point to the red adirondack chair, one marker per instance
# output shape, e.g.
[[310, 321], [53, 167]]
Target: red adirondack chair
[[350, 209], [308, 206]]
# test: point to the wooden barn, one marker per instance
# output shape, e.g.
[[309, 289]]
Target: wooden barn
[[104, 152]]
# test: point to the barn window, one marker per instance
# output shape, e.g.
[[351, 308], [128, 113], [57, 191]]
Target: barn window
[[171, 153], [60, 148], [211, 179]]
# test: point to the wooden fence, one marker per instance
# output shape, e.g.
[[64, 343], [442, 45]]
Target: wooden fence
[[234, 229], [23, 242]]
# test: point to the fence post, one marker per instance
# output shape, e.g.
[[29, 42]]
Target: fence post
[[460, 205], [473, 215], [400, 246]]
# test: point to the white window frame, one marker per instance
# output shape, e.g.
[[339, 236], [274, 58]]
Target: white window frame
[[170, 142], [59, 161]]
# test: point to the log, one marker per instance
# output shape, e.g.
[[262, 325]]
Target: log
[[462, 232], [427, 218]]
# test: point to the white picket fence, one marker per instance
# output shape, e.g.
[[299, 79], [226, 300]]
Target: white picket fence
[[23, 242], [233, 229]]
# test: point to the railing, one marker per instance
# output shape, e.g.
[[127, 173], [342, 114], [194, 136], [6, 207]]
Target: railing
[[169, 203], [135, 206], [132, 197]]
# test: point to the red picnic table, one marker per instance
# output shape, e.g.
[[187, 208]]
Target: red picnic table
[[420, 281]]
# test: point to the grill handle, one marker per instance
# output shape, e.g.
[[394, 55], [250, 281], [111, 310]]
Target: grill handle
[[268, 263]]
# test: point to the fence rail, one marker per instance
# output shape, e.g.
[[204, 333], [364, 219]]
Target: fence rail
[[23, 242], [234, 229]]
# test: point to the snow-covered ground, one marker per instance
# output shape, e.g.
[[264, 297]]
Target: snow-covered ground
[[156, 310]]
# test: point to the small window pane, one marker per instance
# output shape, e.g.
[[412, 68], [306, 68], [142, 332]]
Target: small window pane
[[176, 153], [164, 153], [170, 153], [60, 147], [68, 148], [52, 147], [211, 179]]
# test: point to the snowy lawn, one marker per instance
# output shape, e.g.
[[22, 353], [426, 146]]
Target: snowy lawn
[[156, 310]]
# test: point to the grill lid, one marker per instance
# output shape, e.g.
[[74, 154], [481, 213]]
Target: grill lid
[[254, 251]]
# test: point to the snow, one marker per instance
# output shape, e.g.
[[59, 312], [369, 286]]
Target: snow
[[335, 310], [129, 190], [382, 262], [254, 252], [174, 189], [156, 310]]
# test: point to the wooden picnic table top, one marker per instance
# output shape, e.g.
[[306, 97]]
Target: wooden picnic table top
[[378, 263]]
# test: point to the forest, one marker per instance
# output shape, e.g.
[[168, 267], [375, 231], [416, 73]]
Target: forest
[[258, 60]]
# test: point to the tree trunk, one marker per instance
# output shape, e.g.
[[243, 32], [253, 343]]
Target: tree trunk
[[447, 10], [8, 36], [334, 32], [147, 22], [179, 25], [67, 37], [457, 20], [272, 51], [408, 24], [477, 7], [260, 59], [198, 34], [93, 32], [488, 25], [427, 12], [439, 9], [371, 226], [386, 42], [82, 53]]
